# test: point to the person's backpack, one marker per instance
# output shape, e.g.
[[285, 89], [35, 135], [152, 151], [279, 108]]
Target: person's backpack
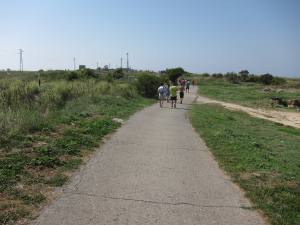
[[161, 90]]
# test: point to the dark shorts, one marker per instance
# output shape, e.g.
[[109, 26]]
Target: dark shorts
[[174, 98], [181, 94]]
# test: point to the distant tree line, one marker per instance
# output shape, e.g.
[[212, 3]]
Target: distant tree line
[[245, 76]]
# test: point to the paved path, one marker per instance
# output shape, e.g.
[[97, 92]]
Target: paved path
[[154, 170]]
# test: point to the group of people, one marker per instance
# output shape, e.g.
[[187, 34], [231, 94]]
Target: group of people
[[169, 93]]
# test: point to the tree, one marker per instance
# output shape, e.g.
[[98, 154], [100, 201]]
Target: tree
[[266, 79], [118, 73], [175, 73], [244, 75], [147, 85]]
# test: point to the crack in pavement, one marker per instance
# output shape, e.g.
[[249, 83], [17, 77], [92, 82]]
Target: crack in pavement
[[160, 203]]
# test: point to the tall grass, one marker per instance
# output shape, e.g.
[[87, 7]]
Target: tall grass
[[25, 106]]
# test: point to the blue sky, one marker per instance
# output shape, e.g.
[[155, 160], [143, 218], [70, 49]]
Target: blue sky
[[199, 35]]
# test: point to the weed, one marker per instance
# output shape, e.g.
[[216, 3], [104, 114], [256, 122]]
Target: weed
[[261, 156], [72, 164], [57, 180], [11, 168], [248, 94], [45, 130], [46, 161], [9, 217]]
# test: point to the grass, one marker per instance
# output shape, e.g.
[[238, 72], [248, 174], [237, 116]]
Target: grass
[[247, 94], [261, 156], [47, 132]]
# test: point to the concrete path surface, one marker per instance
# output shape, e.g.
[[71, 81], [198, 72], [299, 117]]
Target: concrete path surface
[[154, 170]]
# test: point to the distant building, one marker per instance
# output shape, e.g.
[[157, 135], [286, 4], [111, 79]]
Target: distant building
[[81, 67]]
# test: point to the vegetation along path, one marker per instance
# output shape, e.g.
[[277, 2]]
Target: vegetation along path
[[154, 170], [286, 118]]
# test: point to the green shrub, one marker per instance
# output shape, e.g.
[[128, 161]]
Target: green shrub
[[147, 85], [101, 88], [109, 78], [266, 79], [118, 74], [87, 73], [33, 121], [278, 81], [217, 75], [124, 90], [205, 74], [46, 161], [232, 77], [57, 180], [16, 92], [175, 73], [253, 78], [164, 79], [244, 75], [10, 168], [72, 76]]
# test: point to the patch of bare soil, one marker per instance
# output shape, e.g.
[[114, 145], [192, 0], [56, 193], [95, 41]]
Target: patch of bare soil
[[286, 118]]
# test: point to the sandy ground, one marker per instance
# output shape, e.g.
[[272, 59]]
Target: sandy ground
[[287, 118]]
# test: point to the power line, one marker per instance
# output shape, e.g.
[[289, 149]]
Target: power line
[[21, 59]]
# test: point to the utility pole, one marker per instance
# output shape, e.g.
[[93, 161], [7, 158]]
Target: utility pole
[[127, 55], [21, 59], [97, 65], [74, 63], [121, 62]]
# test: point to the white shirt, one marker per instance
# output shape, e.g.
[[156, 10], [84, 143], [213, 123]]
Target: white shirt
[[161, 90]]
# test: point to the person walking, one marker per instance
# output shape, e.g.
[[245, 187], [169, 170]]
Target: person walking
[[167, 94], [161, 94], [187, 88], [173, 92], [181, 93]]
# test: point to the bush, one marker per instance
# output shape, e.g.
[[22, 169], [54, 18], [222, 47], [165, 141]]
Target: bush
[[278, 81], [124, 90], [118, 74], [205, 74], [164, 79], [244, 74], [232, 77], [173, 74], [147, 85], [88, 73], [109, 78], [266, 79], [253, 78], [72, 76], [217, 75]]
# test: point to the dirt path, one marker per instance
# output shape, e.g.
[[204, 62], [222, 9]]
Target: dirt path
[[154, 170], [287, 118]]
